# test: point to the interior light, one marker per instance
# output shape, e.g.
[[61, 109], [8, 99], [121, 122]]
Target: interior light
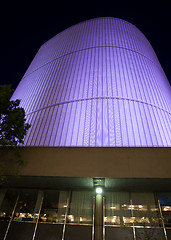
[[71, 218], [166, 208], [131, 207], [124, 205], [2, 214], [99, 190]]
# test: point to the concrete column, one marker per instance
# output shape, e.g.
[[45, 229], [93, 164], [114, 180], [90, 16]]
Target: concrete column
[[98, 217]]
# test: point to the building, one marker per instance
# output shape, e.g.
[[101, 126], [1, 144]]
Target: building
[[99, 105]]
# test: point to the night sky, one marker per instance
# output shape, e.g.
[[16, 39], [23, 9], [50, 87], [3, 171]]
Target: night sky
[[26, 25]]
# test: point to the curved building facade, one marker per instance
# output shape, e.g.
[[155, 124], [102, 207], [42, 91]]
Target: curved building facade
[[97, 83]]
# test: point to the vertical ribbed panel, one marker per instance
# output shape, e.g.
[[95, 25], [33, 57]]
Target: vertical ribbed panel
[[98, 83]]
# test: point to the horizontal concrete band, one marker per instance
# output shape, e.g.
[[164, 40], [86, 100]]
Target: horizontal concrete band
[[125, 162]]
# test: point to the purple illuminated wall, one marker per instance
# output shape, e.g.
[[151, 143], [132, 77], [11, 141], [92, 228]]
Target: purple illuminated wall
[[98, 83]]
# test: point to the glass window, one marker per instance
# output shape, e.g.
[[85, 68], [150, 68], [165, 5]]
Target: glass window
[[77, 232], [54, 206], [49, 232], [124, 208], [81, 208], [117, 210], [168, 233], [26, 207], [3, 228], [119, 233], [145, 209], [150, 233], [21, 230], [7, 203], [165, 203]]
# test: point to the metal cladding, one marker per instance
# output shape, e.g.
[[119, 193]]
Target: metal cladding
[[98, 83]]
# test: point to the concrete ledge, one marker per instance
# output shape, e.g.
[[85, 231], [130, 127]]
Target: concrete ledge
[[92, 162]]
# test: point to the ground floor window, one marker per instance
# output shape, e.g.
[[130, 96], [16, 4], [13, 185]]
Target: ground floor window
[[60, 214]]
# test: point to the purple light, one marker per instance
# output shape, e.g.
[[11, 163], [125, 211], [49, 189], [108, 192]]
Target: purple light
[[98, 83]]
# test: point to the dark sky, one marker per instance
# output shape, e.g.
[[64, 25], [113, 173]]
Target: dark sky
[[26, 25]]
